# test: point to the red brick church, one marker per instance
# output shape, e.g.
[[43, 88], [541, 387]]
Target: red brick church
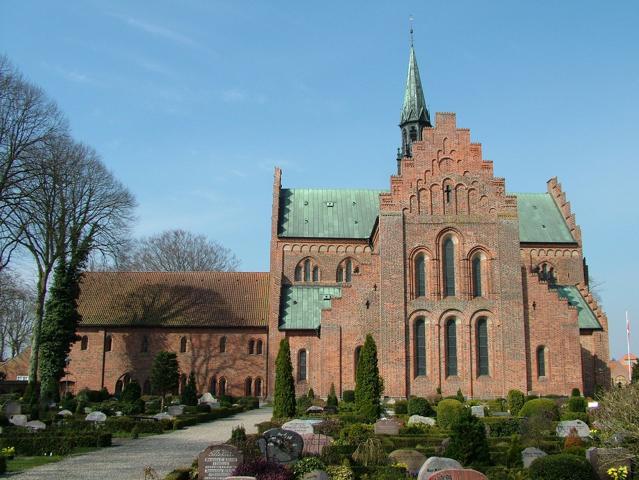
[[462, 284]]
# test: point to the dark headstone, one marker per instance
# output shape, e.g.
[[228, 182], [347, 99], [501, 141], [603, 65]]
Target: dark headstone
[[387, 426], [218, 462], [281, 446], [12, 407], [458, 474]]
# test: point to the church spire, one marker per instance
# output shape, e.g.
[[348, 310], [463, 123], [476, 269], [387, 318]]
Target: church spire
[[414, 114]]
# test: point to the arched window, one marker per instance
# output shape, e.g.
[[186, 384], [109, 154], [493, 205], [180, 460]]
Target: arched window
[[222, 344], [298, 273], [213, 385], [301, 365], [118, 387], [248, 387], [476, 268], [84, 343], [449, 267], [358, 351], [108, 343], [413, 134], [144, 348], [316, 273], [258, 348], [146, 387], [307, 270], [345, 271], [420, 275], [222, 386], [182, 344], [251, 347], [257, 389], [451, 347], [546, 273], [541, 361], [420, 347], [482, 347]]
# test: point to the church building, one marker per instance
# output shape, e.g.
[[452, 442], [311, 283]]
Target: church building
[[463, 284]]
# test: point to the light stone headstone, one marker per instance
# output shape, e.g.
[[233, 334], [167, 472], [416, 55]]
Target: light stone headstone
[[314, 443], [18, 420], [419, 419], [163, 416], [65, 413], [435, 464], [316, 475], [530, 454], [412, 458], [36, 425], [314, 409], [564, 428], [478, 410], [218, 462], [443, 446], [386, 426], [12, 407], [602, 459], [96, 417], [458, 474], [207, 398], [175, 410], [298, 426], [281, 446]]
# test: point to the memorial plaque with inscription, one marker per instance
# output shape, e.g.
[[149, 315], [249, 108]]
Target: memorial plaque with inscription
[[458, 474], [218, 462], [281, 446]]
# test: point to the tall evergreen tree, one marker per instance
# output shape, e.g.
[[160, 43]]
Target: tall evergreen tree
[[368, 383], [189, 394], [284, 401], [165, 374], [635, 373]]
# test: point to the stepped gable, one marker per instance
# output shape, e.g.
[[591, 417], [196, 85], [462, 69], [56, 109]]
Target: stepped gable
[[172, 299], [559, 196]]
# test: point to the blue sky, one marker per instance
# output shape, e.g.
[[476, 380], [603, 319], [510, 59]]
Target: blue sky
[[193, 103]]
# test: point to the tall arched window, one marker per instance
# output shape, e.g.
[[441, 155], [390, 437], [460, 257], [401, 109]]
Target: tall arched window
[[358, 351], [183, 344], [451, 347], [420, 347], [108, 343], [257, 388], [541, 361], [144, 348], [307, 270], [222, 344], [301, 365], [345, 271], [248, 387], [420, 275], [449, 267], [482, 347], [476, 275], [222, 386], [84, 343], [316, 273], [258, 348], [251, 347], [213, 385], [298, 273]]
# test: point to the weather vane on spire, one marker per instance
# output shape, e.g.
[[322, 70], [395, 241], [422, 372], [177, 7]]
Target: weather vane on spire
[[410, 21]]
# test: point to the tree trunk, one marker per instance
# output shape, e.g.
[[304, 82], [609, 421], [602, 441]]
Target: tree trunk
[[35, 340]]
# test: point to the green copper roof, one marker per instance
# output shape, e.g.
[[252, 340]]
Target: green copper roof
[[540, 221], [301, 307], [328, 213], [587, 318], [414, 108]]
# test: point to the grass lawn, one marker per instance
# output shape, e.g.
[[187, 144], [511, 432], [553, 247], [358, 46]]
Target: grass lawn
[[19, 464]]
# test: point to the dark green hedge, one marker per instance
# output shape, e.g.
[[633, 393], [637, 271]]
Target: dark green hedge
[[561, 467], [503, 426], [43, 443]]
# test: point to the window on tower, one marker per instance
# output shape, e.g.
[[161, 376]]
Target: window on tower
[[420, 275], [451, 347], [449, 267], [345, 270], [420, 347], [482, 346]]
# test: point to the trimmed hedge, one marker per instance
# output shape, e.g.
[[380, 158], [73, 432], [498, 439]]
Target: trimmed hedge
[[540, 406], [502, 426], [561, 467], [577, 404], [348, 396], [448, 412], [576, 416], [420, 406], [515, 401], [400, 407], [43, 443]]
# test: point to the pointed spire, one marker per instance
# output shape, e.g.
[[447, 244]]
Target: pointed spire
[[414, 108]]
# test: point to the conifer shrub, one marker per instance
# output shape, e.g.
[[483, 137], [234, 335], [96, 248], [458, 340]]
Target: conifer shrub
[[331, 400], [576, 416], [306, 465], [468, 442], [348, 396], [368, 383], [131, 392], [540, 406], [371, 452], [561, 467], [420, 406], [189, 394], [356, 433], [460, 396], [400, 407], [575, 393], [284, 398], [577, 404], [515, 401], [448, 412], [311, 394]]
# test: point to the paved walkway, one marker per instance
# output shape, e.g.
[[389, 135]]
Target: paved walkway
[[163, 453]]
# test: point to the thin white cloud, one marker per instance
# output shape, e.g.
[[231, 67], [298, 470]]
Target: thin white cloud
[[72, 75], [158, 30]]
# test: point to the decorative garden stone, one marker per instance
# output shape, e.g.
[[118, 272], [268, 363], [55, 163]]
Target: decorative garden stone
[[175, 410], [602, 459], [530, 454], [419, 419], [298, 426], [315, 475], [65, 413], [96, 417], [36, 425], [478, 410], [435, 464], [443, 446], [387, 426], [163, 416], [314, 409], [218, 462], [564, 428], [12, 407], [412, 458], [18, 420], [458, 474], [314, 443], [281, 446]]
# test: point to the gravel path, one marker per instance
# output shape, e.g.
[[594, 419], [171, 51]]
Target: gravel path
[[126, 461]]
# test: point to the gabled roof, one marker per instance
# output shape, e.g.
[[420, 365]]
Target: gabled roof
[[171, 299], [302, 305], [540, 220], [328, 213], [414, 106], [587, 318]]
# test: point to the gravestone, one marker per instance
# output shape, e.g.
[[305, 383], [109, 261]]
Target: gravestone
[[417, 419], [18, 420], [412, 458], [564, 428], [330, 409], [12, 407], [602, 459], [207, 398], [298, 426], [435, 464], [314, 443], [478, 410], [387, 426], [314, 409], [499, 414], [458, 474], [240, 477], [96, 417], [315, 475], [36, 425], [443, 446], [281, 446], [530, 454], [65, 413], [163, 416], [218, 462], [175, 410]]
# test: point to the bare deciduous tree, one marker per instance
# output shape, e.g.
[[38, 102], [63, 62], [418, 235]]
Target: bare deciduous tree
[[16, 314], [27, 119], [179, 251]]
